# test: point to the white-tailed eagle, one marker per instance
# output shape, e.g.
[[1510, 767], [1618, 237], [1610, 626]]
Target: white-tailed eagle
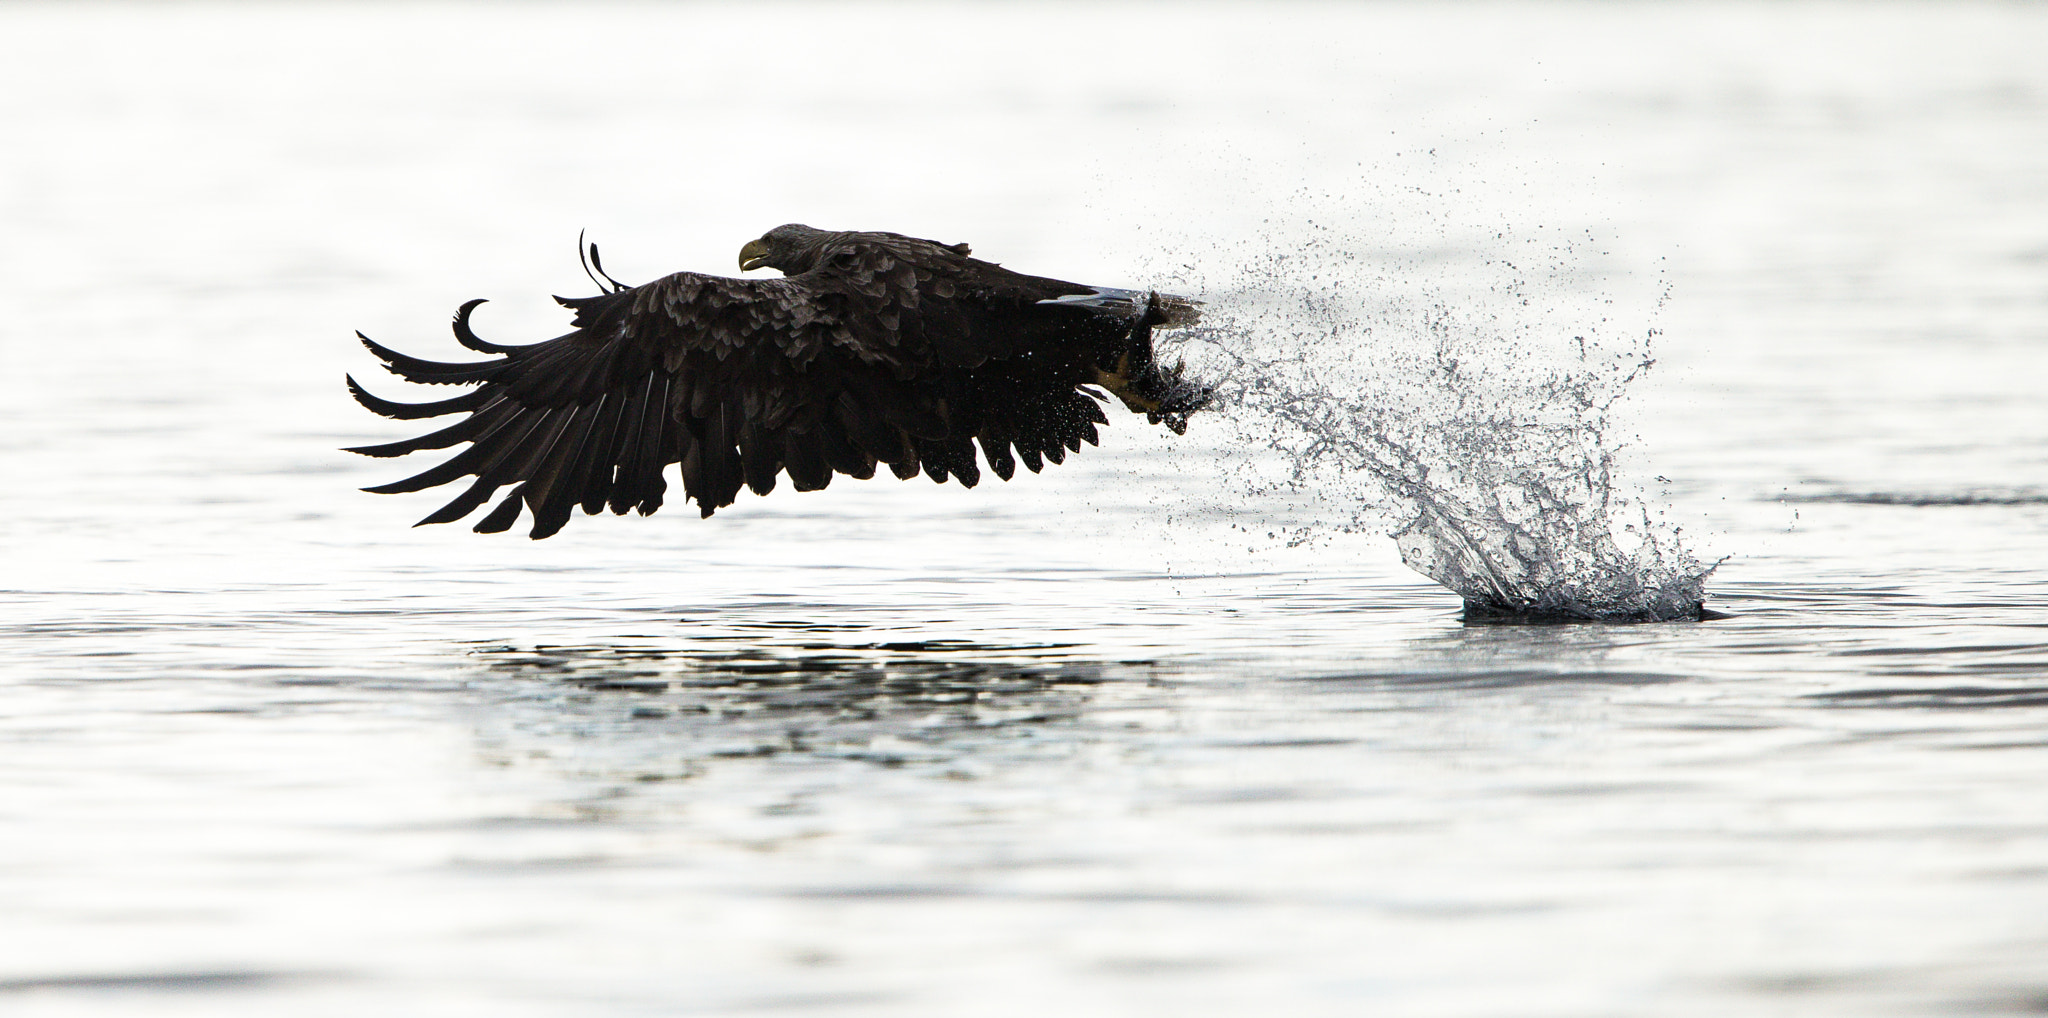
[[873, 348]]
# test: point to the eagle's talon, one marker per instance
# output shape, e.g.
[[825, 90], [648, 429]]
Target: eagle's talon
[[1155, 310]]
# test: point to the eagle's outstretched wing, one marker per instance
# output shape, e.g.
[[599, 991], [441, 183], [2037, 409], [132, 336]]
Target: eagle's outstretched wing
[[891, 351]]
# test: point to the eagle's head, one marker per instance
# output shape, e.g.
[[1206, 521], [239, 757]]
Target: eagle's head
[[791, 247]]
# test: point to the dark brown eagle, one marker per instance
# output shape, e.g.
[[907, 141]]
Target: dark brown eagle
[[873, 348]]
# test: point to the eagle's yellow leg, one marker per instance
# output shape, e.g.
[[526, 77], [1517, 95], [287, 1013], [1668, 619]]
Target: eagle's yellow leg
[[1121, 385]]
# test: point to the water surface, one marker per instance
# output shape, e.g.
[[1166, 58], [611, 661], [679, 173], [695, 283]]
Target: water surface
[[1144, 734]]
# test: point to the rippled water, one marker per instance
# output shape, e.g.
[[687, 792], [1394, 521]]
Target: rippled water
[[1168, 729]]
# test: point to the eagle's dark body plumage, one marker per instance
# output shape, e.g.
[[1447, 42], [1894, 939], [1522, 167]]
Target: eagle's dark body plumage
[[875, 348]]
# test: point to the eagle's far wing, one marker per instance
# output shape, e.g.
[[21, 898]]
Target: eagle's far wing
[[1004, 358], [736, 379]]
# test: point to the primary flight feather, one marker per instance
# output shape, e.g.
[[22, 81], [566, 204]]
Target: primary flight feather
[[874, 348]]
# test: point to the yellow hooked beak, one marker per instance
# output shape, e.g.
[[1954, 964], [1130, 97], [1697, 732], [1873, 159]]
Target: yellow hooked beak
[[753, 255]]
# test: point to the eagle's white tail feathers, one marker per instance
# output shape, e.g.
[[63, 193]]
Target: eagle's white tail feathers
[[1179, 311]]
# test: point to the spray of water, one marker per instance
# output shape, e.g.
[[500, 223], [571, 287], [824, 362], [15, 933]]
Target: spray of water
[[1467, 408]]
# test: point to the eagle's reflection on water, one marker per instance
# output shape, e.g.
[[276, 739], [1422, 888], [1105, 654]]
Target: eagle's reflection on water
[[667, 709]]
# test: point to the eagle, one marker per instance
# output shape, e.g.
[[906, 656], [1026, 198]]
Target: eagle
[[873, 348]]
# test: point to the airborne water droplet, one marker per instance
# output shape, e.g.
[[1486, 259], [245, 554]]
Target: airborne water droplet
[[1465, 419]]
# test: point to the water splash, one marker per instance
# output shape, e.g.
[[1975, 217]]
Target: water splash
[[1468, 411]]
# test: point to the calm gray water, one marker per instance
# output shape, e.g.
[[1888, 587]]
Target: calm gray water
[[1167, 730]]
